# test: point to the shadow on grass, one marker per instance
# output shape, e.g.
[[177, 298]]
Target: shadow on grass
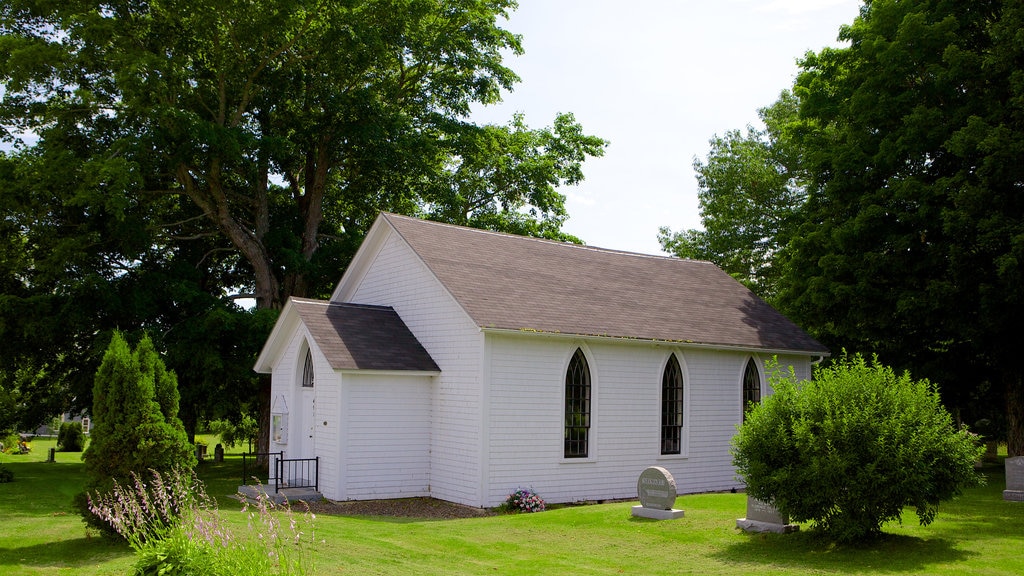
[[808, 550], [72, 553]]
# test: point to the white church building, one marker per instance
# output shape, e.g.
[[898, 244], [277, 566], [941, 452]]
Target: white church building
[[461, 364]]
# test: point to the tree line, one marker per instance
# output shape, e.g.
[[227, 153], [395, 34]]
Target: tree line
[[881, 204]]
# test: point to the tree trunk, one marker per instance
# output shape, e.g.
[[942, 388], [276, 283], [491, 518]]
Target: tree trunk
[[1014, 415]]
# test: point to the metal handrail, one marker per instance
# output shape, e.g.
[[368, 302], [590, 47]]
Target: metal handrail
[[288, 472], [256, 456], [298, 471]]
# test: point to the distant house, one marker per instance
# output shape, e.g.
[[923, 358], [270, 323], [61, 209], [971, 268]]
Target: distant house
[[81, 418], [461, 364]]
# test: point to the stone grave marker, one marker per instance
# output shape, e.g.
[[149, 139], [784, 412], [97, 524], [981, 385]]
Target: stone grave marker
[[1014, 479], [657, 491], [763, 517]]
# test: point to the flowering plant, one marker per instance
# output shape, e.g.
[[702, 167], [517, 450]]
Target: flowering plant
[[175, 529], [524, 500]]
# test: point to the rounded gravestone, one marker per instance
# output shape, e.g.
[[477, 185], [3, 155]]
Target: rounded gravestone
[[656, 488]]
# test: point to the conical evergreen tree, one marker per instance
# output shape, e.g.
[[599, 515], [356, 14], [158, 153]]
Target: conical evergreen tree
[[163, 436], [135, 419]]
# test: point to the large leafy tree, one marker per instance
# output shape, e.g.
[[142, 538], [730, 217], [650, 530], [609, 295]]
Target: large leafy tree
[[751, 195], [268, 116], [881, 208], [73, 271], [225, 149], [914, 227]]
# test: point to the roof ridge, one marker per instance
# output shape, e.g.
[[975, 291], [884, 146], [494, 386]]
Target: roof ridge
[[559, 243], [342, 304]]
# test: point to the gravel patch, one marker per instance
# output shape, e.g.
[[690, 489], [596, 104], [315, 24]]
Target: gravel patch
[[424, 508]]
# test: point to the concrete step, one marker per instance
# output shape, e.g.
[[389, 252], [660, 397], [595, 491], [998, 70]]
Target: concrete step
[[253, 493]]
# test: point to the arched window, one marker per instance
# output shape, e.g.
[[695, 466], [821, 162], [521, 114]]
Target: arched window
[[307, 370], [751, 387], [577, 406], [672, 407]]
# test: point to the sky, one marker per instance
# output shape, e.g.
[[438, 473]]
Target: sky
[[657, 79]]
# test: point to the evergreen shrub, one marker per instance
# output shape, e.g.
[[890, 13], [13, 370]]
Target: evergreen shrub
[[850, 449], [136, 428]]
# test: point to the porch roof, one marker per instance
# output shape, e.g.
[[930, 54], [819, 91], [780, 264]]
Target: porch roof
[[362, 337]]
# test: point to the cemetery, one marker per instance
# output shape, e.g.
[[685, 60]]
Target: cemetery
[[978, 533]]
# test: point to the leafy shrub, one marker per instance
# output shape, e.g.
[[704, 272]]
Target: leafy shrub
[[71, 438], [175, 529], [10, 442], [849, 450], [523, 500], [6, 475]]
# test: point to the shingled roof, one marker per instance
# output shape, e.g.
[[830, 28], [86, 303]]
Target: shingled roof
[[356, 336], [509, 282]]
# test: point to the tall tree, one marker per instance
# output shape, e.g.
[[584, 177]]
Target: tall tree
[[751, 191], [269, 114], [254, 141], [914, 231]]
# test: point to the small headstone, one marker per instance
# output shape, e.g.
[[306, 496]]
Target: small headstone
[[51, 457], [657, 491], [763, 517], [218, 453], [1014, 479]]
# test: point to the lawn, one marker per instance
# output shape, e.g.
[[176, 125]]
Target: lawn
[[976, 534]]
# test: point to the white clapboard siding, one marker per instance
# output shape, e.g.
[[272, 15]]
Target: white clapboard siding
[[388, 436], [397, 278], [492, 419], [327, 419], [525, 418]]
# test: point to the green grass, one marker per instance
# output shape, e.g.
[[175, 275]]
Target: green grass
[[977, 534]]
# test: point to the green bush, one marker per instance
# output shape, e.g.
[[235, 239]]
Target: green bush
[[850, 449], [10, 442], [6, 475], [135, 421], [71, 438]]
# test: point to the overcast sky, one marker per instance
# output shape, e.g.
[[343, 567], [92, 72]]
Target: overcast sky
[[656, 78]]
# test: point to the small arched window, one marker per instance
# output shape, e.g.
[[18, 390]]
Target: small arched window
[[577, 406], [672, 407], [307, 370], [751, 387]]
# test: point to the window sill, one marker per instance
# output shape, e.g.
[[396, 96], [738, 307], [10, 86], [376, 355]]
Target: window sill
[[587, 460]]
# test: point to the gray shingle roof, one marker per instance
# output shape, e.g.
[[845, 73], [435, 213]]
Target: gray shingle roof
[[527, 284], [356, 336]]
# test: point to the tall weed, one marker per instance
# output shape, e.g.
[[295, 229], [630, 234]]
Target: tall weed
[[175, 528]]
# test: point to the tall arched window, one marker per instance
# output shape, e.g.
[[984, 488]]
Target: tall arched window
[[307, 370], [577, 406], [751, 387], [672, 407]]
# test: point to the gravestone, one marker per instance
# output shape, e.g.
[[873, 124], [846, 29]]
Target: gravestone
[[763, 517], [1014, 479], [657, 491], [218, 453]]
